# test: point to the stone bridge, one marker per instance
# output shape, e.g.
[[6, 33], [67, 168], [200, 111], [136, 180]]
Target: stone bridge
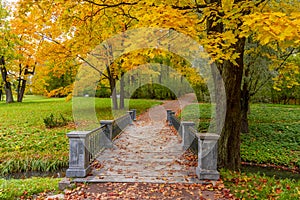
[[156, 148]]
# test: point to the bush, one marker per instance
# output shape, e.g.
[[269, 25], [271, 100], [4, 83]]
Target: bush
[[52, 122]]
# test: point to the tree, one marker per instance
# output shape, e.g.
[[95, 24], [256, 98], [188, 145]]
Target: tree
[[262, 65], [228, 24], [6, 53]]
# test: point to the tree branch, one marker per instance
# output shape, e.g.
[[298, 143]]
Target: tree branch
[[197, 6], [276, 70], [111, 5], [78, 56]]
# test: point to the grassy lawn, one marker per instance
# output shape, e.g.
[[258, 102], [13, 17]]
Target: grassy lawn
[[274, 139]]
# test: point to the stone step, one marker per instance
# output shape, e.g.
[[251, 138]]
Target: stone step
[[145, 179]]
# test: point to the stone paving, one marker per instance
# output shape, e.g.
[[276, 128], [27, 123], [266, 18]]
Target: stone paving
[[147, 151]]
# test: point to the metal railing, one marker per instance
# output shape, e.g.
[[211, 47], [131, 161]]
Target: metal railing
[[120, 124], [193, 143], [95, 144], [173, 120]]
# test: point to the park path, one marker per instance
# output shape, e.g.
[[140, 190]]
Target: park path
[[147, 162], [147, 151]]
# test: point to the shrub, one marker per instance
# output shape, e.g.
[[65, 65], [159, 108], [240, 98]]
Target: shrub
[[51, 121]]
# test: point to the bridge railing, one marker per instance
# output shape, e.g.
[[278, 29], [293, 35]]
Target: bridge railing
[[204, 145], [86, 145]]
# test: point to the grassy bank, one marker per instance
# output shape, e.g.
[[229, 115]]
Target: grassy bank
[[25, 188], [274, 133], [274, 140], [258, 186]]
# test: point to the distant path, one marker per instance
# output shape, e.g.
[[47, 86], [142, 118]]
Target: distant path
[[159, 113]]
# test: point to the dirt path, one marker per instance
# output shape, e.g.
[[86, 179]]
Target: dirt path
[[159, 113]]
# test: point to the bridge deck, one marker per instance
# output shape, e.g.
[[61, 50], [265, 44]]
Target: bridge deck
[[147, 151]]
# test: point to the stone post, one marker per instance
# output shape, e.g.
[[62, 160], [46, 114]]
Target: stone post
[[79, 163], [169, 113], [187, 137], [207, 156], [107, 141], [133, 114]]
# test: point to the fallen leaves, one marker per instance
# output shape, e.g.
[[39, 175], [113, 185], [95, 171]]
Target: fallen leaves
[[149, 191]]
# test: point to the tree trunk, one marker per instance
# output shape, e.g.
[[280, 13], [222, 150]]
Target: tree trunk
[[113, 90], [122, 92], [245, 99], [7, 85], [245, 109], [21, 90], [8, 92], [229, 143]]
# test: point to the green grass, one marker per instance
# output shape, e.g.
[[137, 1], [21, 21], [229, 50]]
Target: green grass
[[259, 186], [273, 139], [274, 133], [23, 188], [27, 145]]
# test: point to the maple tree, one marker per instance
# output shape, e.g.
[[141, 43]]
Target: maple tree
[[221, 26], [229, 23]]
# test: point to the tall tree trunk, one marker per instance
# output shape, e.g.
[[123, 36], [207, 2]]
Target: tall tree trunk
[[8, 92], [21, 90], [122, 92], [245, 99], [245, 109], [229, 143], [113, 90], [7, 85]]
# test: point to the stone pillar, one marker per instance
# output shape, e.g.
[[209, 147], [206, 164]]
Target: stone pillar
[[169, 113], [79, 163], [107, 141], [187, 137], [207, 156], [133, 114]]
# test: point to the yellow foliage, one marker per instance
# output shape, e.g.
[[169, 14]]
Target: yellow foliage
[[61, 30]]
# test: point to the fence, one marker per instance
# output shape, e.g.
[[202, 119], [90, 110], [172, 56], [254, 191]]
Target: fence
[[202, 144], [86, 145]]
